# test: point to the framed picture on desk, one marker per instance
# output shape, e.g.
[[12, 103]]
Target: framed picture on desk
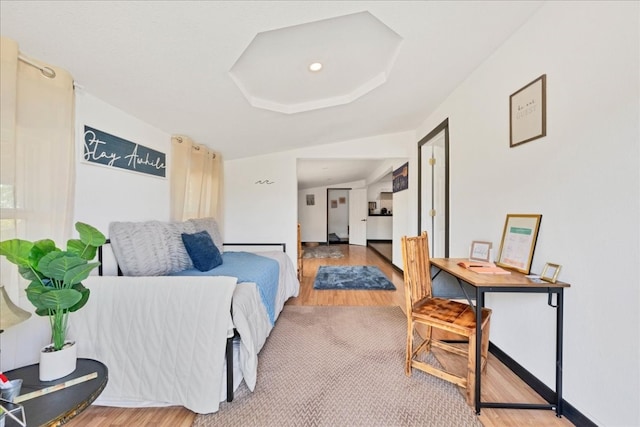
[[519, 241], [550, 272], [480, 251]]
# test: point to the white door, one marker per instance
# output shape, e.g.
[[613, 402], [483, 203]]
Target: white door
[[433, 205], [358, 212]]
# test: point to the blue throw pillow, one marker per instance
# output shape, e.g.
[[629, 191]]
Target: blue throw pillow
[[203, 252]]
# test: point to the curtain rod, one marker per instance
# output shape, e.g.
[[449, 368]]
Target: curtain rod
[[194, 146], [46, 71]]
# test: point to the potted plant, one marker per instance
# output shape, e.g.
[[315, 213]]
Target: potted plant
[[56, 287]]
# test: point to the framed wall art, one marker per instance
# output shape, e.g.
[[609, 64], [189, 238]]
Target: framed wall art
[[400, 178], [528, 112], [518, 242]]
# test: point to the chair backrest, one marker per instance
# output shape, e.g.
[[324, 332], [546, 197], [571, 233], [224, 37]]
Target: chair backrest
[[417, 274]]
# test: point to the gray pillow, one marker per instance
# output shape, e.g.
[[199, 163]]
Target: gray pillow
[[150, 248], [210, 225]]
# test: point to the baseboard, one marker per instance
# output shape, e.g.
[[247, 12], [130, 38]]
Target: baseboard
[[568, 410]]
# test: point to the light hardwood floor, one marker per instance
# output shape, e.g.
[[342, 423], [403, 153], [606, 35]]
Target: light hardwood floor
[[498, 384]]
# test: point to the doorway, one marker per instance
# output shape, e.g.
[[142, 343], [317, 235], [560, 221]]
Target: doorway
[[337, 215], [433, 188]]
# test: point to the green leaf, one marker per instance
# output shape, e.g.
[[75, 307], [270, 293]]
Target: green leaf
[[76, 246], [90, 235], [85, 296], [78, 273], [17, 251], [40, 249], [56, 264], [59, 299], [42, 312], [34, 290], [45, 246], [28, 273]]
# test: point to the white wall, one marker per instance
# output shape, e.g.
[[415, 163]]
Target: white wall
[[277, 218], [106, 194], [262, 213], [583, 177], [313, 218]]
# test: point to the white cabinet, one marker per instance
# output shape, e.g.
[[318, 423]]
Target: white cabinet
[[380, 227]]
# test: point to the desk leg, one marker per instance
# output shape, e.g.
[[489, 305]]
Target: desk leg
[[559, 320], [478, 373]]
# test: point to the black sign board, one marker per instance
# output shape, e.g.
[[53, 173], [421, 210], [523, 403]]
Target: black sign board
[[106, 149]]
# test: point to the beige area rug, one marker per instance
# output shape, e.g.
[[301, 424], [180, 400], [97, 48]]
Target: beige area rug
[[341, 366], [323, 251]]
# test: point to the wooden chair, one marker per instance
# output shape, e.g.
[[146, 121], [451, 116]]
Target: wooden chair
[[437, 313], [300, 255]]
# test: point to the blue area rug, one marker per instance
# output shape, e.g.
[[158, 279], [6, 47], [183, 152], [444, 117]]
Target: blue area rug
[[365, 277]]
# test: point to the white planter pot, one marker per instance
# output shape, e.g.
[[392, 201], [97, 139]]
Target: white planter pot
[[57, 364]]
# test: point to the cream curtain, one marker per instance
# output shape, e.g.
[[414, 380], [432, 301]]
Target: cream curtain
[[196, 180], [36, 156]]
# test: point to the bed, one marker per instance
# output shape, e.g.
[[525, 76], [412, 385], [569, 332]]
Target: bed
[[163, 330]]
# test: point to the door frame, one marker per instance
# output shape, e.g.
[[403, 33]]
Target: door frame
[[444, 126], [326, 233]]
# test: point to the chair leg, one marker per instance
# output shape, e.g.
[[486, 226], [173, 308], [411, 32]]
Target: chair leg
[[471, 371], [407, 363]]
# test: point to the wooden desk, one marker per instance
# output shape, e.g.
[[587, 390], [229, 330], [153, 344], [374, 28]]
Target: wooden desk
[[60, 406], [514, 282]]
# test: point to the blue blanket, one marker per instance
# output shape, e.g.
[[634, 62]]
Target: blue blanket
[[247, 267]]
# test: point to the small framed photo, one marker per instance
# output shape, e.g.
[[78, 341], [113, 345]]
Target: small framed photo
[[342, 200], [518, 242], [528, 112], [480, 251], [311, 199], [550, 272]]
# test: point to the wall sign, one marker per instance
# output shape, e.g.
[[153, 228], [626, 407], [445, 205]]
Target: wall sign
[[108, 150]]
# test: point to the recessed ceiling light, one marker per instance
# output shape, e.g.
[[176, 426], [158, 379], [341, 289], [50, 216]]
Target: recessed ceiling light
[[315, 66]]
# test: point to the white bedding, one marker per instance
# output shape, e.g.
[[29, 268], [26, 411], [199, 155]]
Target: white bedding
[[163, 338], [251, 319]]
